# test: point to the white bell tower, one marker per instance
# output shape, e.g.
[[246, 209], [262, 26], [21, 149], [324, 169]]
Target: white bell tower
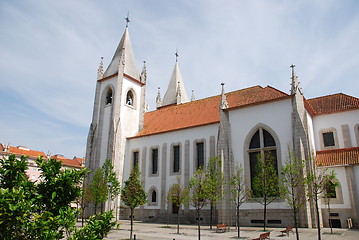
[[118, 110]]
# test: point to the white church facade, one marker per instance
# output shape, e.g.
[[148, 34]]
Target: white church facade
[[182, 134]]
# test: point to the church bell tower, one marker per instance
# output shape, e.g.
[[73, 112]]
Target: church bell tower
[[118, 110]]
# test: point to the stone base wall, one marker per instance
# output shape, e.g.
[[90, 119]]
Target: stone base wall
[[338, 216], [248, 218]]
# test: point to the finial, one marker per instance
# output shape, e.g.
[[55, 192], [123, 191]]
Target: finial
[[176, 54], [100, 69], [224, 103], [143, 76], [158, 98], [127, 18], [193, 98], [295, 83]]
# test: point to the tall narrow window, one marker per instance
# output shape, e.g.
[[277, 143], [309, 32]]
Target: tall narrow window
[[135, 159], [129, 98], [176, 158], [200, 155], [154, 161], [262, 145], [154, 196], [109, 97]]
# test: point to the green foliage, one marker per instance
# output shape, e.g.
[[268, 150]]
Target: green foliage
[[266, 181], [240, 191], [37, 210], [133, 195], [198, 190], [59, 187], [98, 187], [294, 185], [215, 180], [97, 227], [177, 194], [110, 177]]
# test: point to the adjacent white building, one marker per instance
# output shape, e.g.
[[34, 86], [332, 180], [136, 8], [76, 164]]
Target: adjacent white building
[[181, 135]]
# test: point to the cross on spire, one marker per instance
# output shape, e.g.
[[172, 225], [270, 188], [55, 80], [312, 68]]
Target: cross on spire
[[127, 18], [176, 54]]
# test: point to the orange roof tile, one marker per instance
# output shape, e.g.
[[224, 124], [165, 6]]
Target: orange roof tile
[[333, 103], [344, 156], [204, 111], [75, 162], [21, 151]]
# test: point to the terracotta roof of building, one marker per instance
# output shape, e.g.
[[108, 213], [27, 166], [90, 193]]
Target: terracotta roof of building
[[75, 162], [20, 150], [204, 111], [344, 156], [333, 103]]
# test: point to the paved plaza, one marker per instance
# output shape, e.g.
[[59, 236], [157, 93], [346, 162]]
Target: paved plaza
[[161, 231]]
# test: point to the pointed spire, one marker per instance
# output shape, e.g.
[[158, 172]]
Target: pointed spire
[[193, 98], [175, 87], [158, 98], [124, 50], [295, 84], [143, 77], [100, 70], [224, 103]]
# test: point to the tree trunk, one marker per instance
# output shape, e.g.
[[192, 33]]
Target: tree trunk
[[265, 214], [211, 218], [131, 223], [295, 222], [238, 230], [178, 221], [318, 219], [199, 225], [330, 222]]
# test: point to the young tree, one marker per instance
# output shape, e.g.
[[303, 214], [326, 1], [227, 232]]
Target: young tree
[[330, 193], [132, 194], [239, 190], [215, 179], [265, 183], [316, 181], [111, 179], [294, 186], [198, 194], [177, 196], [98, 187]]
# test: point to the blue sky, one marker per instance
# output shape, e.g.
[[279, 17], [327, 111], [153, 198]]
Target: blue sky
[[50, 52]]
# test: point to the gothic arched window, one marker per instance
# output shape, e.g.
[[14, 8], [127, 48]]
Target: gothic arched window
[[109, 97], [154, 196], [129, 98], [262, 147]]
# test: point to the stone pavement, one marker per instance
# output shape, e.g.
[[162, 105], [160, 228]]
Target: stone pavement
[[155, 231]]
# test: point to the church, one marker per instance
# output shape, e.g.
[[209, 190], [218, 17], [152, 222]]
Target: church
[[181, 135]]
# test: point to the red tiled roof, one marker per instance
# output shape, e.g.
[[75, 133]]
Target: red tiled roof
[[21, 151], [333, 103], [205, 111], [75, 162], [344, 156]]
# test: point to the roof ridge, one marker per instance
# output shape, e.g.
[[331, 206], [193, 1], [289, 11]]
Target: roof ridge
[[338, 150]]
